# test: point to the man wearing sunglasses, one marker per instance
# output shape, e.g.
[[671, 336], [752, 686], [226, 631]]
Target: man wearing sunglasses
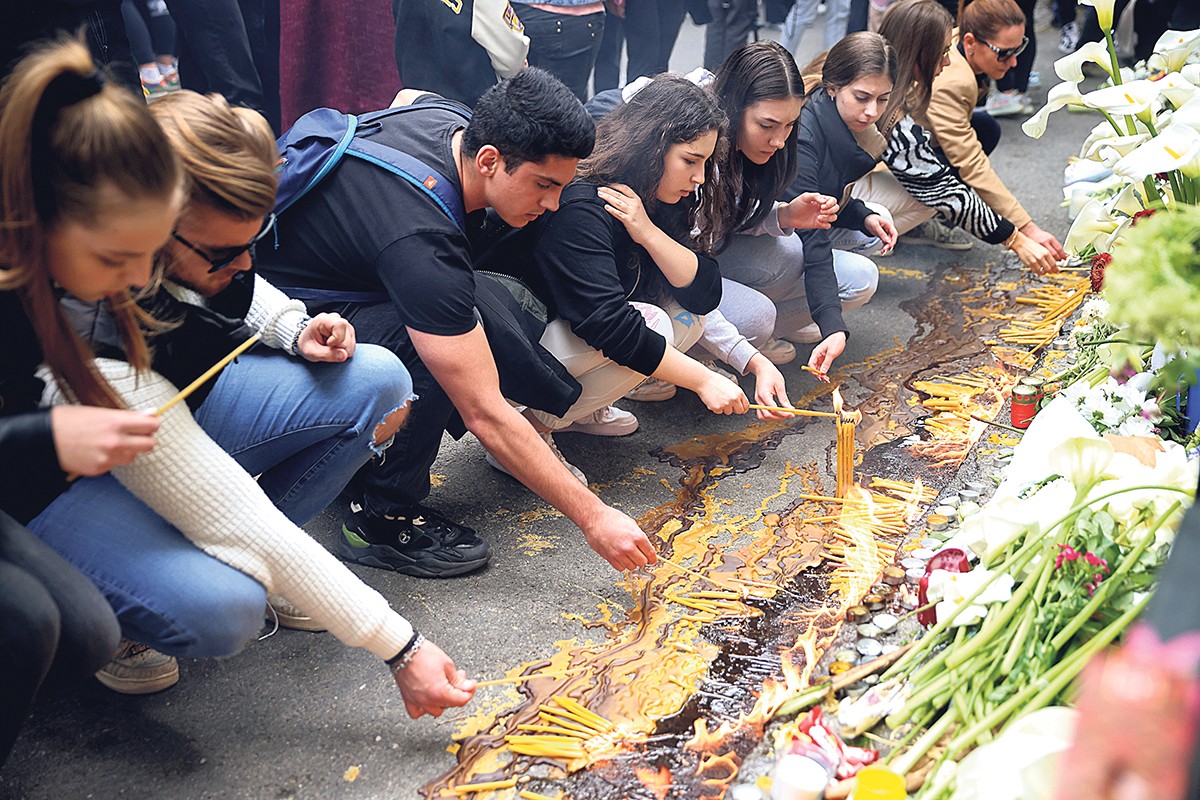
[[991, 36]]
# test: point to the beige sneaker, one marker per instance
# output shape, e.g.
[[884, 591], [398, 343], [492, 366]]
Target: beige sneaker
[[779, 351], [935, 234], [288, 616], [713, 366], [651, 390], [139, 669], [549, 438]]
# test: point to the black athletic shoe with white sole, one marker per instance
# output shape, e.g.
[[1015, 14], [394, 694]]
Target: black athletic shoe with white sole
[[417, 541]]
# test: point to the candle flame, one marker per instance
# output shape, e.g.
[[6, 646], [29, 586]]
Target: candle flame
[[837, 400]]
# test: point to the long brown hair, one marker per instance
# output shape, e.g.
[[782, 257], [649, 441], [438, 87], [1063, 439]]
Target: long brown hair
[[228, 153], [65, 137], [918, 30], [633, 140], [755, 72]]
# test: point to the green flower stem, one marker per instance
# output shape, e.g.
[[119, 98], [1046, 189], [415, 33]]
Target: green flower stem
[[1111, 121], [1177, 186], [1112, 55], [998, 619], [1149, 123], [921, 746], [1106, 586], [1152, 193], [1017, 646], [1055, 680], [917, 727]]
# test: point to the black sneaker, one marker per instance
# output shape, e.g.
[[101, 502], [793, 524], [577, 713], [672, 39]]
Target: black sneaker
[[418, 542]]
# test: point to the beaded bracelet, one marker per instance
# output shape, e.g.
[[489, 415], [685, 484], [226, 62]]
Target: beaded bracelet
[[295, 349], [1009, 242], [406, 654]]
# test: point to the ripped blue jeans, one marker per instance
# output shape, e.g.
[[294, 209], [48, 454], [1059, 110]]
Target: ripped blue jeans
[[305, 428]]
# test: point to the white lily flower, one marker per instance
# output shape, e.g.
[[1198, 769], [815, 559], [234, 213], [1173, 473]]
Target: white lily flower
[[1188, 113], [1173, 48], [1079, 193], [1070, 68], [1103, 150], [1023, 763], [1065, 94], [1104, 12], [951, 590], [1176, 147], [1177, 89], [1092, 228], [1127, 202], [1135, 98], [1081, 459], [1191, 73], [1104, 130]]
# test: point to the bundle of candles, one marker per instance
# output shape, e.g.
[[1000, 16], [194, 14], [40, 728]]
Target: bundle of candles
[[568, 731], [1056, 301], [846, 422], [713, 605]]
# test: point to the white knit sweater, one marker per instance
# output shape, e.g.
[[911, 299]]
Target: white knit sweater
[[197, 487]]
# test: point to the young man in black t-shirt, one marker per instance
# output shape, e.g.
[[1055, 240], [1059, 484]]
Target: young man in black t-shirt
[[400, 268]]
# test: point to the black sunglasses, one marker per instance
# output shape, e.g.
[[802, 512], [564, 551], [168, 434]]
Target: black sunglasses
[[1008, 52], [220, 261]]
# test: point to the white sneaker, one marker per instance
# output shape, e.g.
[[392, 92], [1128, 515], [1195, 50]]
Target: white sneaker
[[934, 234], [549, 439], [289, 616], [1068, 38], [139, 669], [809, 334], [724, 373], [779, 351], [1008, 104], [607, 421], [651, 390]]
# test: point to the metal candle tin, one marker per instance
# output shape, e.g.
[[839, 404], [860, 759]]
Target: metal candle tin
[[893, 575]]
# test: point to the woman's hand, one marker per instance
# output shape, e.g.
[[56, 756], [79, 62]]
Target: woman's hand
[[90, 441], [769, 388], [430, 684], [721, 395], [624, 204], [883, 230], [824, 354], [1046, 240], [327, 337], [1033, 255], [809, 210]]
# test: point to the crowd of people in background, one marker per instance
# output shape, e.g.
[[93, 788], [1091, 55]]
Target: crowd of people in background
[[548, 234]]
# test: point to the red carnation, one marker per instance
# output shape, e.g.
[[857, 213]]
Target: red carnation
[[1145, 212], [1100, 262]]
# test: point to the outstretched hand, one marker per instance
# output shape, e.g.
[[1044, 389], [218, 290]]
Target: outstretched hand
[[809, 210], [430, 684], [824, 354]]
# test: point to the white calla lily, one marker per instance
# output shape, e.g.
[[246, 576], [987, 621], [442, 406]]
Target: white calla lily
[[1065, 94], [1191, 73], [1177, 89], [1081, 459], [1135, 98], [1173, 48], [1104, 12], [1104, 130], [1078, 194], [1188, 114], [1109, 151], [1176, 147], [1127, 202], [1092, 228], [1023, 763], [1070, 68]]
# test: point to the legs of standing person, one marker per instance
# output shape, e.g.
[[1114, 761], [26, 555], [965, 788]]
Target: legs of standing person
[[55, 626], [880, 188], [860, 11], [214, 51], [670, 20], [733, 22], [1017, 78], [837, 14], [799, 19], [139, 34], [604, 381], [563, 45], [607, 73], [651, 27], [307, 428], [1151, 20], [165, 591]]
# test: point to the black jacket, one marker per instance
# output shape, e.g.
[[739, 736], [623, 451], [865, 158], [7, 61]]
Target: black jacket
[[581, 262], [30, 476]]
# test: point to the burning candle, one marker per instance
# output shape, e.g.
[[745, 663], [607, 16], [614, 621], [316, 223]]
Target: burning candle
[[846, 421]]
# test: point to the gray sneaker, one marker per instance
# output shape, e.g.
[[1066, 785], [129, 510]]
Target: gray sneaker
[[934, 234], [139, 669], [549, 439], [280, 610]]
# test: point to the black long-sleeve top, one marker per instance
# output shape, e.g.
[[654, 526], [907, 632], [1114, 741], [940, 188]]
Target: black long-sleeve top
[[582, 263]]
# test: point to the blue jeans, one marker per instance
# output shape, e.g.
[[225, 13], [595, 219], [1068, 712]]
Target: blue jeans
[[305, 427]]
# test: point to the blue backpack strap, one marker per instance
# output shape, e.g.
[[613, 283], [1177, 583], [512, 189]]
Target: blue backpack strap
[[415, 171], [309, 150]]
